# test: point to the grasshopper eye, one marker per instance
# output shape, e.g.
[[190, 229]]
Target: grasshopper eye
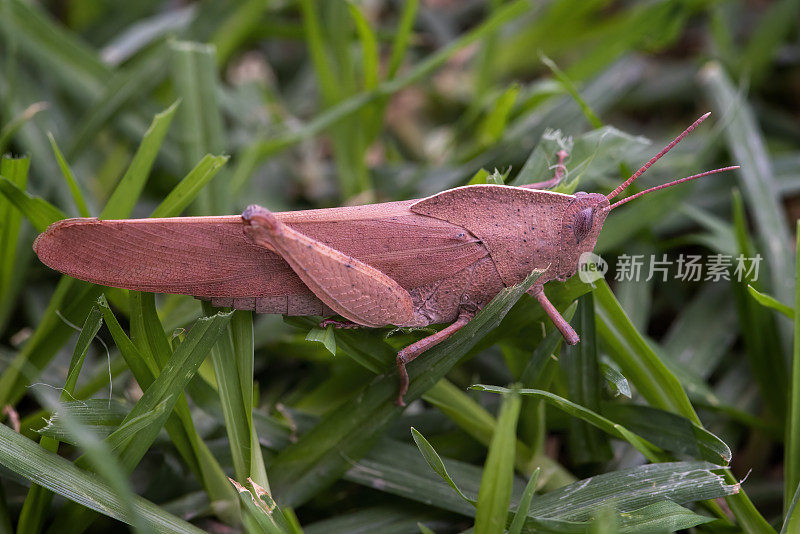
[[583, 223]]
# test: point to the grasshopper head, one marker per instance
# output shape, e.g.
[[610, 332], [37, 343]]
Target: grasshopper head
[[580, 226], [584, 216]]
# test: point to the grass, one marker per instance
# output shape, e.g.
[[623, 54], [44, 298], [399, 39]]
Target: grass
[[170, 416]]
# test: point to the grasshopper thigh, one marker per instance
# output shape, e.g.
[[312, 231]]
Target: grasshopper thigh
[[351, 288]]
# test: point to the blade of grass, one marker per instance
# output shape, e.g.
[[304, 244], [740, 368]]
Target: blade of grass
[[568, 86], [768, 301], [633, 488], [650, 451], [759, 329], [436, 463], [369, 47], [16, 171], [37, 210], [792, 450], [476, 421], [190, 186], [201, 128], [579, 363], [156, 405], [148, 335], [232, 357], [122, 201], [62, 477], [745, 141], [168, 385], [494, 496], [34, 509], [524, 504], [636, 359], [773, 27], [71, 301], [74, 188], [126, 85], [669, 431], [792, 520], [402, 37]]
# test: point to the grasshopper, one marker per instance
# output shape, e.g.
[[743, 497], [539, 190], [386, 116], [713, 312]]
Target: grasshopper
[[410, 263]]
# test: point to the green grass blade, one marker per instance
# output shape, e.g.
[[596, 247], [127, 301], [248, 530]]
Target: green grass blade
[[669, 431], [38, 211], [436, 463], [148, 335], [651, 452], [369, 47], [562, 77], [37, 501], [402, 37], [243, 19], [74, 188], [759, 328], [524, 504], [494, 125], [125, 86], [494, 496], [579, 363], [792, 451], [16, 169], [168, 386], [232, 357], [71, 301], [791, 521], [259, 506], [63, 478], [636, 359], [633, 488], [201, 129], [125, 195], [768, 301], [773, 27], [476, 421], [756, 176], [188, 189]]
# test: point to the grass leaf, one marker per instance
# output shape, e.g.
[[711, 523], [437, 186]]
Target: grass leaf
[[498, 471]]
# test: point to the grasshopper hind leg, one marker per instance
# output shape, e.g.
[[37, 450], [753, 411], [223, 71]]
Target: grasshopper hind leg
[[559, 174], [409, 353]]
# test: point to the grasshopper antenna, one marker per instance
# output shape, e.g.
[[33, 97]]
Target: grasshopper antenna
[[655, 158], [662, 186]]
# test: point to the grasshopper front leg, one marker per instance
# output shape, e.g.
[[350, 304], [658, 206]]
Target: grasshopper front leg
[[570, 336], [409, 353]]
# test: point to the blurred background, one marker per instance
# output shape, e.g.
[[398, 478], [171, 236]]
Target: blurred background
[[305, 104]]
